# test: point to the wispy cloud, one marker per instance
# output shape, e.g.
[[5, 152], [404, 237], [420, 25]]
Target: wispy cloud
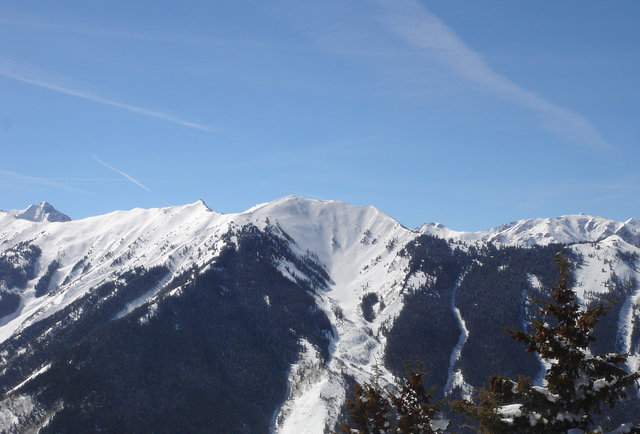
[[9, 178], [419, 28], [581, 193], [130, 178], [12, 71], [167, 36]]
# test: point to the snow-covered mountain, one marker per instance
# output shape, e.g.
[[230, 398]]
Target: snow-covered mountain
[[285, 305], [568, 229], [40, 213]]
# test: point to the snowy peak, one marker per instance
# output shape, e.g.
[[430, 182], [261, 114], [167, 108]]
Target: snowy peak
[[566, 229], [299, 207], [326, 227], [40, 213], [441, 231]]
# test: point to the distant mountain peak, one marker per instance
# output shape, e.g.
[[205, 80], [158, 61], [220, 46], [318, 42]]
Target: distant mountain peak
[[41, 212], [566, 229]]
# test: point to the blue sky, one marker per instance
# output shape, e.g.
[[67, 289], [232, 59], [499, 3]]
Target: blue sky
[[468, 113]]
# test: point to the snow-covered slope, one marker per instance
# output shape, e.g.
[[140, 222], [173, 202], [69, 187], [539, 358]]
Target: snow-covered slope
[[358, 246], [93, 250], [52, 264], [40, 213]]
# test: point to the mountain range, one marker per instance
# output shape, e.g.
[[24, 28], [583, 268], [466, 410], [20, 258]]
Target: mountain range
[[186, 319]]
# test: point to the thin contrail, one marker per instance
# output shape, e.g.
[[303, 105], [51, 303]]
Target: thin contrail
[[47, 83], [130, 178]]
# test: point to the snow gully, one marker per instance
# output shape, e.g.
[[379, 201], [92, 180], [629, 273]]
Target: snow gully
[[464, 335]]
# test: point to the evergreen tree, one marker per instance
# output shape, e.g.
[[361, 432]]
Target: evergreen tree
[[406, 408], [412, 402], [369, 409], [577, 382]]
